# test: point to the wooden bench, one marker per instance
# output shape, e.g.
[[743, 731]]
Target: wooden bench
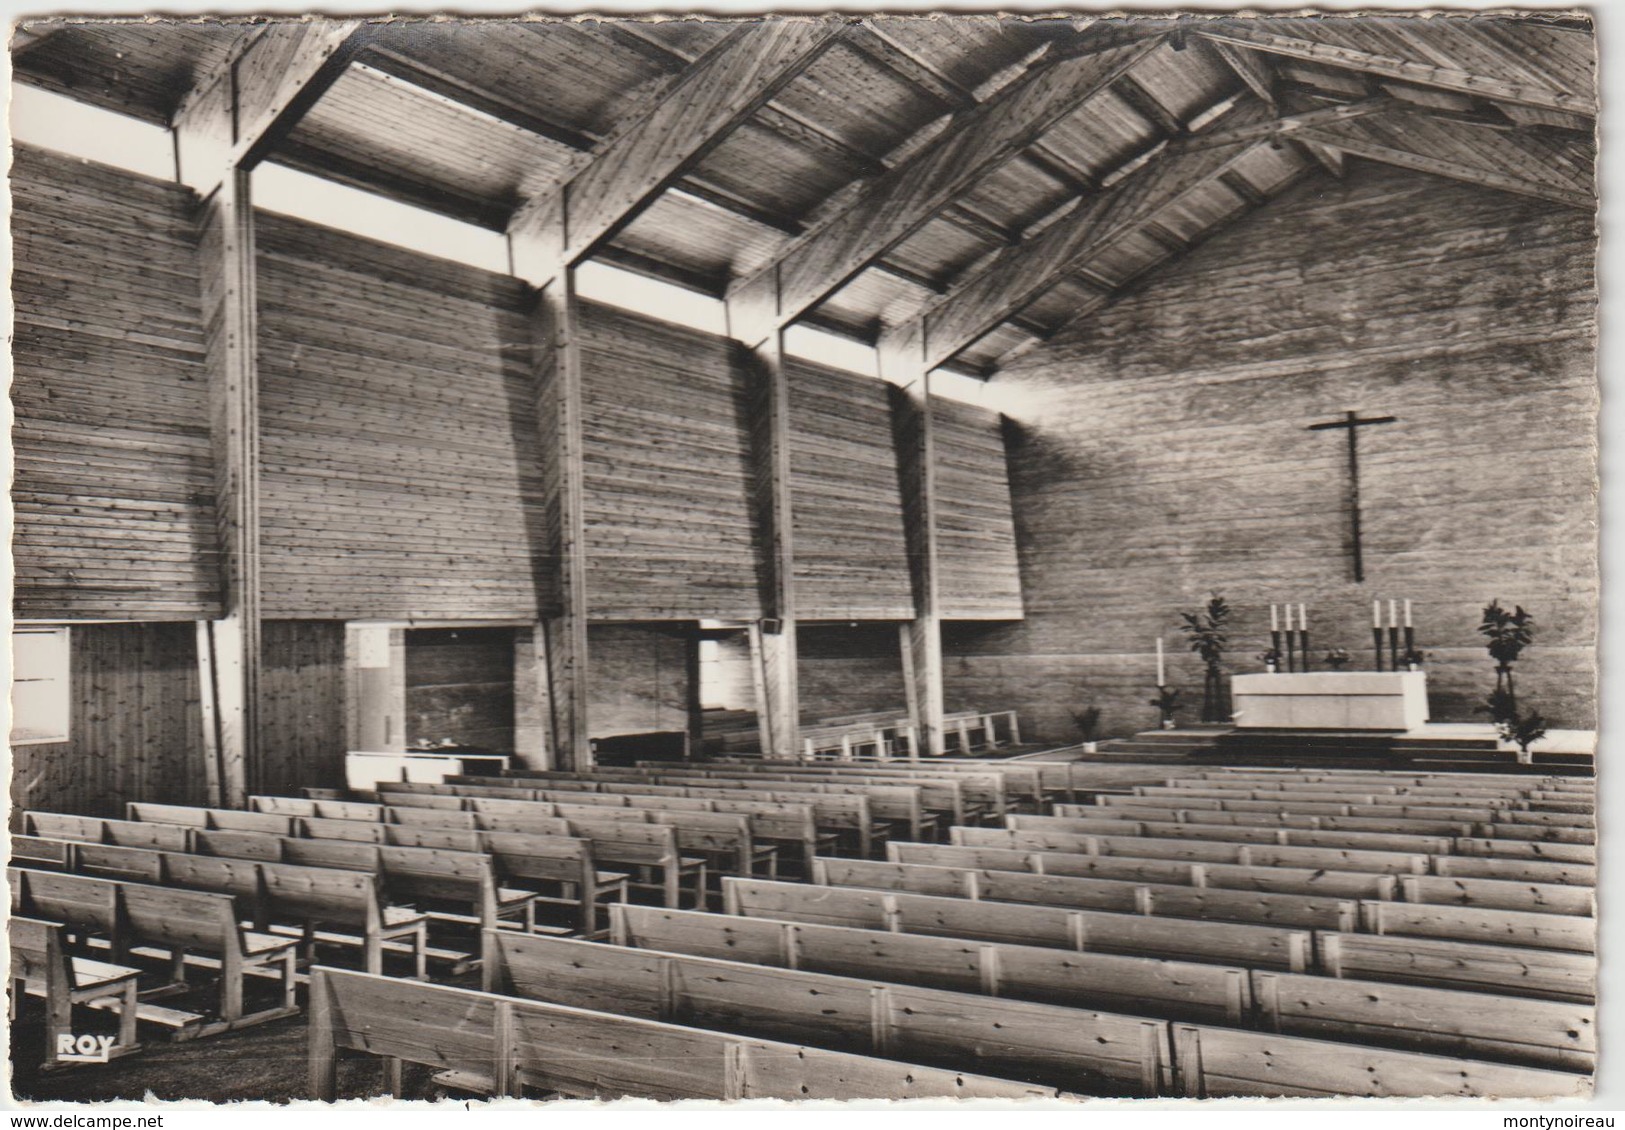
[[1163, 900], [1516, 870], [1525, 849], [1197, 851], [1279, 880], [1307, 822], [1228, 1063], [1539, 898], [1025, 924], [41, 967], [1143, 985], [1097, 1053], [1531, 1033], [1570, 932], [846, 740], [939, 802], [181, 922], [502, 1045], [981, 796], [1502, 970], [90, 829], [1286, 837], [225, 819]]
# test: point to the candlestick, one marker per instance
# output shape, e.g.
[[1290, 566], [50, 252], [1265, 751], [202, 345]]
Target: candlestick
[[1376, 614], [1393, 645], [1410, 642], [1407, 613], [1275, 646], [1289, 639], [1303, 645], [1162, 676], [1376, 643]]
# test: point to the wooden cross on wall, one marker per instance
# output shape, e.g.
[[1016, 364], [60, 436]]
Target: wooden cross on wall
[[1354, 423]]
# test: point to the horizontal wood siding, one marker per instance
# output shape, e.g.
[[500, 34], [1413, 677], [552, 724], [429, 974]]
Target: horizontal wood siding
[[640, 678], [114, 489], [1162, 453], [976, 540], [460, 687], [135, 729], [849, 670], [670, 532], [851, 551], [399, 448], [301, 706]]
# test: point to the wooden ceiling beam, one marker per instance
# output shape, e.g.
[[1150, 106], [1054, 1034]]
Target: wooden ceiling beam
[[885, 50], [1326, 156], [1455, 78], [1148, 106], [1439, 165], [25, 40], [1250, 69], [242, 113], [907, 195], [1016, 276], [704, 104]]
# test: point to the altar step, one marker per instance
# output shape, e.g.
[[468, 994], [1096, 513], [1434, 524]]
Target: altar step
[[1450, 752]]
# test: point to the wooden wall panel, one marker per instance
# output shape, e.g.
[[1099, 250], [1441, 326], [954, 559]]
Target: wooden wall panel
[[400, 449], [850, 669], [460, 686], [301, 712], [668, 503], [851, 553], [135, 731], [114, 490], [976, 542], [640, 678], [1162, 452]]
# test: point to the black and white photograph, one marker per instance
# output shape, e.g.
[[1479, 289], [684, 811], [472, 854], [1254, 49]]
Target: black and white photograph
[[1047, 556]]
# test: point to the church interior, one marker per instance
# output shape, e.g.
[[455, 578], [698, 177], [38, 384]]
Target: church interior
[[857, 557]]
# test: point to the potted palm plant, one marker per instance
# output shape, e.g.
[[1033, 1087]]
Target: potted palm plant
[[1506, 634], [1206, 631]]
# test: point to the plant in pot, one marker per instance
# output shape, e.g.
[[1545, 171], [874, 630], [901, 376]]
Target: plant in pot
[[1206, 631], [1088, 724], [1337, 658], [1506, 634], [1514, 726]]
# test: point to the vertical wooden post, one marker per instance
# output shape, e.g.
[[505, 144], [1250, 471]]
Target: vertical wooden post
[[777, 650], [695, 699], [226, 254], [902, 362], [557, 352]]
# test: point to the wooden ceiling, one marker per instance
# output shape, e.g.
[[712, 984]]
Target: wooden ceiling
[[1029, 169]]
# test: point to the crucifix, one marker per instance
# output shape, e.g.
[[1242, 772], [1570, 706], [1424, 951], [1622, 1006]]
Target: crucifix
[[1354, 423]]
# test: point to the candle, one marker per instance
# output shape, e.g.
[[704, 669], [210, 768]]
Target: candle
[[1376, 613], [1289, 617], [1162, 675], [1303, 619], [1393, 614], [1407, 614], [1275, 624]]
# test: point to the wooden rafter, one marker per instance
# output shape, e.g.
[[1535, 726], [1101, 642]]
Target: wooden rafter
[[896, 204], [1250, 69], [236, 116], [1012, 279], [1497, 167], [1513, 84], [724, 87]]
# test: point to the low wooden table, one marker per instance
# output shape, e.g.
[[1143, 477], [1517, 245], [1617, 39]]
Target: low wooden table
[[1331, 700]]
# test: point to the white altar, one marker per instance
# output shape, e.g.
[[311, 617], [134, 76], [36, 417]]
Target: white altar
[[1331, 700]]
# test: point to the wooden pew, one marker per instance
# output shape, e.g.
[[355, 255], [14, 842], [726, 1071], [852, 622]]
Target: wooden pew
[[1098, 1053], [502, 1045], [1540, 1034], [90, 829], [982, 794], [1199, 851], [940, 801], [1227, 1063], [1524, 849], [227, 819], [1534, 1033], [1516, 870], [87, 907], [1538, 898], [1502, 970], [1286, 837], [1474, 924], [180, 922], [1100, 894], [1418, 827], [1117, 805], [1057, 927], [1143, 985], [40, 967], [41, 854], [1280, 880]]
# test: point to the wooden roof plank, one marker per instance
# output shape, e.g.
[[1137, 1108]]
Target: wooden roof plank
[[1018, 275], [717, 93], [1330, 47], [907, 195]]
